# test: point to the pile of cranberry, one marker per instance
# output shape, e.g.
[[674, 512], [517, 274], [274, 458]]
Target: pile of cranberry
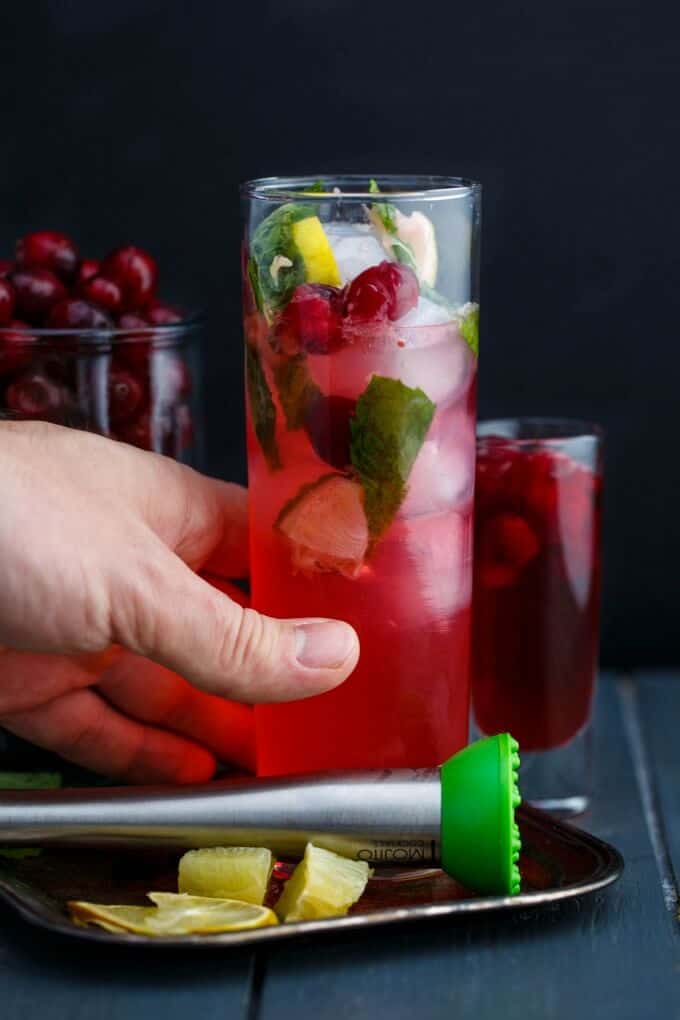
[[58, 314]]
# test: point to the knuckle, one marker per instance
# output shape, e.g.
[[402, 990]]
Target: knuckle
[[246, 642]]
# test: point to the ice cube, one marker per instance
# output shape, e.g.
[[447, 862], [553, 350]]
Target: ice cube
[[426, 313], [442, 477], [435, 359], [355, 246]]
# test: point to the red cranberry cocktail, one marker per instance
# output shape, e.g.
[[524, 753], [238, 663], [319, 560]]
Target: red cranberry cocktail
[[537, 579], [361, 328], [88, 343]]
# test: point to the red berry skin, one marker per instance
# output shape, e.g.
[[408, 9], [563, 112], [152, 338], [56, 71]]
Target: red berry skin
[[75, 313], [7, 266], [48, 249], [7, 301], [136, 274], [37, 290], [507, 544], [386, 291], [100, 291], [311, 321], [140, 433], [327, 425], [162, 315], [367, 299], [16, 343], [36, 396], [125, 396], [87, 269], [135, 348]]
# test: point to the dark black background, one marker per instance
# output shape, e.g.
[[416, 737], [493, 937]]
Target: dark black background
[[134, 120]]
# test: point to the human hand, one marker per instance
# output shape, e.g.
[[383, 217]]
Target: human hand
[[102, 612]]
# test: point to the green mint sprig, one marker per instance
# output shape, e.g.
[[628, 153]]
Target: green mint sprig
[[296, 388], [385, 214], [274, 237], [262, 408], [469, 329], [388, 429]]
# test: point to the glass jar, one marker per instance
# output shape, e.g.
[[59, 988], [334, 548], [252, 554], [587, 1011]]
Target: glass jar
[[137, 385]]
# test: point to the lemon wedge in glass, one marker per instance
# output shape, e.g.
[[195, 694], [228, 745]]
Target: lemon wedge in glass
[[229, 872], [174, 914], [322, 885], [315, 250]]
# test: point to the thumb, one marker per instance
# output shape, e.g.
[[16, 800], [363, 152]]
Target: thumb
[[169, 614]]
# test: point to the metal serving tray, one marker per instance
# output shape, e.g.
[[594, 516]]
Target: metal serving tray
[[558, 862]]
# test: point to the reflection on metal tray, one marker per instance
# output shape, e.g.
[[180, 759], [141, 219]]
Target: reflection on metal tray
[[558, 862]]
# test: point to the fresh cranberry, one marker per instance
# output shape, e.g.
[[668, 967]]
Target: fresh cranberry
[[15, 347], [7, 301], [102, 292], [507, 544], [87, 269], [6, 267], [184, 429], [539, 487], [311, 321], [35, 396], [135, 348], [137, 433], [48, 249], [36, 291], [386, 291], [162, 315], [75, 313], [125, 396], [327, 425], [135, 272]]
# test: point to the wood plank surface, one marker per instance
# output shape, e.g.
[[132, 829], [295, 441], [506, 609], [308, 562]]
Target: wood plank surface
[[46, 977], [654, 708]]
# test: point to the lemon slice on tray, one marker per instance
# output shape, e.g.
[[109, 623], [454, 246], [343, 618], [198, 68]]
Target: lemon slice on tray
[[174, 914], [322, 885], [228, 872]]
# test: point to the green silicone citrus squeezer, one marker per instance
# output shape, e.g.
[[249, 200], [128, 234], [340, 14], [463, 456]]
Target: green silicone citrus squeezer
[[460, 815], [480, 841]]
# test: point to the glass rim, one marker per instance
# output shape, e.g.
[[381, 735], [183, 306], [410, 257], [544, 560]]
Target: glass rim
[[544, 428], [163, 332], [405, 187]]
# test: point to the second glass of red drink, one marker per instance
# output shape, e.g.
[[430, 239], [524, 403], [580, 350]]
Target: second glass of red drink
[[537, 597]]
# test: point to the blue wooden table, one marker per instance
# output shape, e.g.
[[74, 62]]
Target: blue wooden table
[[615, 955]]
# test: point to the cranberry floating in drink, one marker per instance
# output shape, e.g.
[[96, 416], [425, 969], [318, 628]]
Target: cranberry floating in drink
[[536, 594], [361, 361], [88, 343]]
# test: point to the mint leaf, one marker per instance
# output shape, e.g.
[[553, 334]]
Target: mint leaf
[[385, 212], [317, 186], [469, 329], [30, 780], [297, 389], [388, 429], [403, 252], [274, 237], [254, 279], [262, 409]]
